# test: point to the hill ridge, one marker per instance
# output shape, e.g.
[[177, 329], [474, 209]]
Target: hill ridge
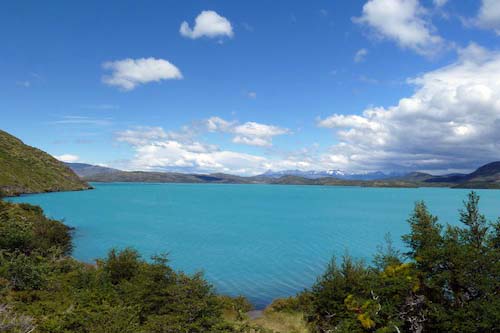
[[25, 169], [486, 176]]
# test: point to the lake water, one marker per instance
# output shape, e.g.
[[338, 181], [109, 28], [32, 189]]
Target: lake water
[[260, 241]]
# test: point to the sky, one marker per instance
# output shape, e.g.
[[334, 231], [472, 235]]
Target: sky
[[243, 87]]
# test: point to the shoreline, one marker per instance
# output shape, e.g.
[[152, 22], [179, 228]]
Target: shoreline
[[425, 186]]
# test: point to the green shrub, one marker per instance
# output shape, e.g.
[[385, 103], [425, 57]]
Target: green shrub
[[24, 228]]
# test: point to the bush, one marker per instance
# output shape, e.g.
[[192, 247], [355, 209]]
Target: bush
[[24, 228], [121, 265], [238, 304], [23, 272], [299, 303]]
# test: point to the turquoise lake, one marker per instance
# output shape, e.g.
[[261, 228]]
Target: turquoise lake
[[260, 241]]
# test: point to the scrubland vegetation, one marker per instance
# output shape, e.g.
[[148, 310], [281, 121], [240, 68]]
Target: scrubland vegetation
[[447, 281], [24, 169]]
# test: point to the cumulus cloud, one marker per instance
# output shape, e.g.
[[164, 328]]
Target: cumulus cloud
[[360, 55], [451, 121], [403, 21], [129, 73], [141, 135], [342, 121], [156, 149], [249, 133], [207, 24], [256, 134], [489, 15], [216, 124], [68, 158]]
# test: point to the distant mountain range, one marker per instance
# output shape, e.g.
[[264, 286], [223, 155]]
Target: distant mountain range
[[487, 176], [313, 174], [86, 170], [24, 169]]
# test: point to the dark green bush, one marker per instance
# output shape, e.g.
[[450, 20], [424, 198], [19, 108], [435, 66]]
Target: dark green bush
[[24, 228]]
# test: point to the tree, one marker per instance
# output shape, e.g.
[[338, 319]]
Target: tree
[[475, 222], [424, 239], [448, 282]]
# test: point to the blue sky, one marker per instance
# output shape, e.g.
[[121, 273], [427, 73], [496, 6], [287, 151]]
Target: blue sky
[[352, 85]]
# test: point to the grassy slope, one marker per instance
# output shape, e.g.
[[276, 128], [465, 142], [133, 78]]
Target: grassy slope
[[271, 321], [282, 322], [24, 169]]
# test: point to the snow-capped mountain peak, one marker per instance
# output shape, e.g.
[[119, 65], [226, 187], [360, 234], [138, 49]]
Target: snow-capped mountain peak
[[312, 174]]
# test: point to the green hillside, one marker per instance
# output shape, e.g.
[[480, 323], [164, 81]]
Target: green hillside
[[24, 169]]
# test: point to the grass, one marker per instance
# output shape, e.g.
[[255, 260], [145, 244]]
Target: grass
[[24, 169], [270, 322], [282, 322]]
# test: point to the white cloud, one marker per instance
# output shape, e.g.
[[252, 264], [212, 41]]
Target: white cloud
[[209, 24], [216, 124], [403, 21], [156, 149], [68, 158], [178, 156], [342, 121], [251, 141], [360, 55], [128, 73], [489, 15], [82, 120], [249, 133], [141, 135], [451, 121], [439, 3], [256, 134]]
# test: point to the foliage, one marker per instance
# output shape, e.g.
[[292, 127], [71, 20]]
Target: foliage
[[281, 322], [295, 304], [448, 281], [235, 308], [26, 170], [120, 293], [24, 228]]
